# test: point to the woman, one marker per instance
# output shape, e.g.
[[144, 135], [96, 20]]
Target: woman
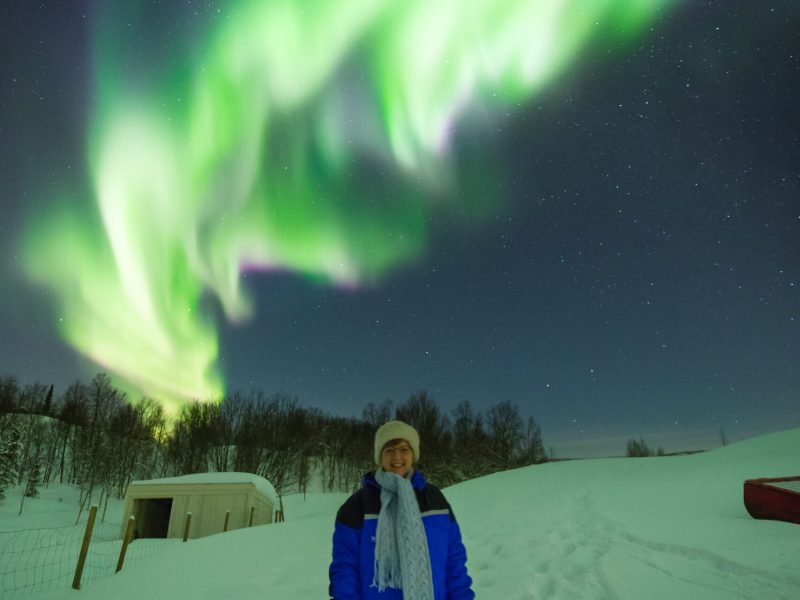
[[397, 537]]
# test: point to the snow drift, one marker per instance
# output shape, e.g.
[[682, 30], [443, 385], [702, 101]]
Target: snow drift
[[655, 528]]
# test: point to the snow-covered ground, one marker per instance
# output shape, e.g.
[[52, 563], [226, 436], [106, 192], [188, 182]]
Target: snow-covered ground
[[654, 528]]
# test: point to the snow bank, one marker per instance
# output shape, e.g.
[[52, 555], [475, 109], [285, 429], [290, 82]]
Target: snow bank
[[655, 528]]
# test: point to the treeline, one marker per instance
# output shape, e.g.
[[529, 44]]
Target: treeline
[[93, 437], [88, 436], [638, 448]]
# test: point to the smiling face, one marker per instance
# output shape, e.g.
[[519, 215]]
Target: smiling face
[[397, 457]]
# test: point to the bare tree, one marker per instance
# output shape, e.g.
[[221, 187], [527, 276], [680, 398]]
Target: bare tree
[[376, 415], [505, 432], [637, 448], [30, 460], [9, 394], [532, 451], [421, 412], [471, 457], [10, 451], [94, 468], [723, 437], [32, 398], [344, 452], [72, 413], [192, 438], [283, 442], [154, 435], [221, 433]]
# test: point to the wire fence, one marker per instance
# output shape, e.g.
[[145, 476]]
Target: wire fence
[[39, 560], [793, 485]]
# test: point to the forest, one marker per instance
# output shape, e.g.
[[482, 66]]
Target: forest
[[93, 436]]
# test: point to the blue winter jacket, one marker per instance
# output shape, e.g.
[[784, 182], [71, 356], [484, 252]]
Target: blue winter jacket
[[354, 545]]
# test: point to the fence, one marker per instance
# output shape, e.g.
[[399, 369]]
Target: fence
[[38, 560]]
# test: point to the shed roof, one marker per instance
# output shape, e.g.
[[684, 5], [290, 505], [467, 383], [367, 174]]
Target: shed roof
[[261, 484]]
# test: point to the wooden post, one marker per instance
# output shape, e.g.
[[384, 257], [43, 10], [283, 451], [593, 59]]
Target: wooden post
[[227, 518], [186, 527], [252, 510], [279, 510], [125, 541], [87, 537]]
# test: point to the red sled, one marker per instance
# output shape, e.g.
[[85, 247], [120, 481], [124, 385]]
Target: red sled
[[776, 498]]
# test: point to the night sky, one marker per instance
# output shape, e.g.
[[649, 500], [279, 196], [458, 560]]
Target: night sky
[[615, 249]]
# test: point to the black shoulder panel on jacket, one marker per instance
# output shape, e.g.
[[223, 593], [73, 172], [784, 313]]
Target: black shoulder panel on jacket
[[431, 498], [365, 501]]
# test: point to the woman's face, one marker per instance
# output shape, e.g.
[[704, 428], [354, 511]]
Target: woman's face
[[397, 457]]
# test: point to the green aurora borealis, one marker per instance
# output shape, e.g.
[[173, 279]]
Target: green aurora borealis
[[313, 137]]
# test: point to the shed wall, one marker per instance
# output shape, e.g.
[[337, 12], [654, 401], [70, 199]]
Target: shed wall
[[208, 504]]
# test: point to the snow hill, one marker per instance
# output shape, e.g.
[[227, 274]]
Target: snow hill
[[619, 528]]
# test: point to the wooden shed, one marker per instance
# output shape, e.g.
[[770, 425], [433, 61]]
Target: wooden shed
[[217, 502]]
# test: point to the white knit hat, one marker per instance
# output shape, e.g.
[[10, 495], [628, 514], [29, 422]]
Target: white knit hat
[[396, 430]]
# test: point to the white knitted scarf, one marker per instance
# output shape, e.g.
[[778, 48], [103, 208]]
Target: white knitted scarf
[[401, 548]]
